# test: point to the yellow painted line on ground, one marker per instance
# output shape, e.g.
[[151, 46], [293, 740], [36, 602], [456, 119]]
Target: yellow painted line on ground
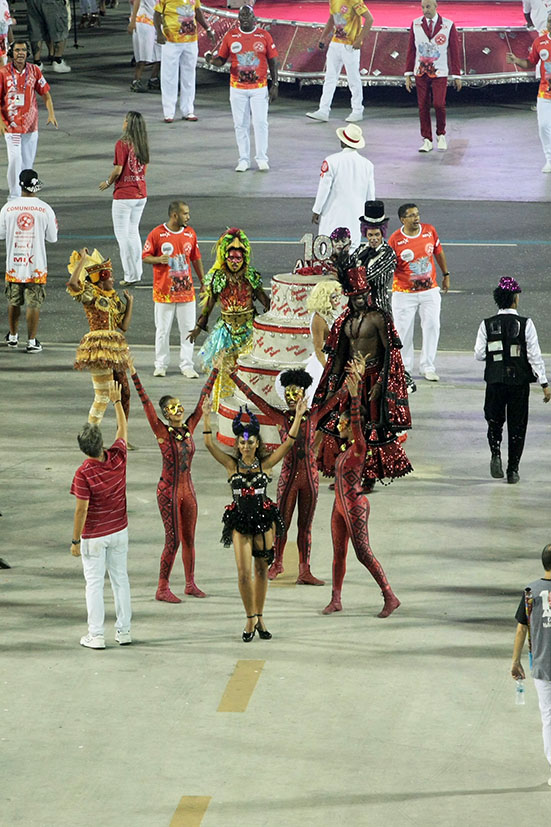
[[241, 686], [190, 811], [290, 565]]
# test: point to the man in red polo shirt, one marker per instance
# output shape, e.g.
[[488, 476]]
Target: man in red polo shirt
[[251, 51], [172, 248], [19, 81], [100, 532]]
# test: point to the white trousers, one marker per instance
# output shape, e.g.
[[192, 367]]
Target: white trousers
[[247, 105], [544, 126], [404, 308], [126, 213], [164, 316], [339, 55], [543, 688], [98, 555], [21, 154], [178, 64]]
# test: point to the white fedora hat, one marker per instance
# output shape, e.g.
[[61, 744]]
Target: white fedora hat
[[351, 135]]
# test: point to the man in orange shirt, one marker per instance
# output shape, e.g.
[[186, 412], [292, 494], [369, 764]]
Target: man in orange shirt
[[172, 248], [415, 288], [252, 51], [175, 22]]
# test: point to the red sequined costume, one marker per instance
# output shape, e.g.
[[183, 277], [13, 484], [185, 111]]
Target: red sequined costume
[[175, 492], [349, 519], [386, 416], [298, 481]]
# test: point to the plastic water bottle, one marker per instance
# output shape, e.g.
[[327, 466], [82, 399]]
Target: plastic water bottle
[[520, 698]]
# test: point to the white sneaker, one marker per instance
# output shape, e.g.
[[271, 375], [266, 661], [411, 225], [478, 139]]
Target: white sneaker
[[318, 115], [189, 373], [431, 376], [426, 146], [93, 641], [123, 638], [242, 166], [355, 117], [263, 166], [546, 167], [441, 142], [61, 68], [159, 372]]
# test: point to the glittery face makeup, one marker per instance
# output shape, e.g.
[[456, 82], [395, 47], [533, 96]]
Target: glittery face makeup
[[343, 424], [234, 260], [293, 393], [174, 407]]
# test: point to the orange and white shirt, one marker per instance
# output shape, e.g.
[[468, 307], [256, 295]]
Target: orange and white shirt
[[172, 282], [179, 24], [541, 51], [18, 106], [249, 53], [145, 11], [5, 23], [27, 223], [415, 268], [347, 20]]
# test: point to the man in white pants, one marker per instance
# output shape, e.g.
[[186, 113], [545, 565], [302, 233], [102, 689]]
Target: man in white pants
[[540, 53], [534, 618], [100, 530], [347, 180], [536, 12], [176, 26], [251, 50], [19, 81], [172, 248], [415, 288], [345, 21]]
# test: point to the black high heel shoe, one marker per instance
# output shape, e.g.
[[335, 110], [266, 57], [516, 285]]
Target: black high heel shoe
[[263, 634], [248, 636]]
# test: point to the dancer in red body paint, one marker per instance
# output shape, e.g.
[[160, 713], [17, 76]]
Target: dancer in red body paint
[[175, 492], [351, 508]]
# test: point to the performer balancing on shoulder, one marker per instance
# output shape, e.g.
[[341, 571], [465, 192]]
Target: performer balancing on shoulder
[[252, 520], [175, 492], [349, 520]]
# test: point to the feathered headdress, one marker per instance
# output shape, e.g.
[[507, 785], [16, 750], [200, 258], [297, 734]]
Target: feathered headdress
[[245, 429], [95, 266]]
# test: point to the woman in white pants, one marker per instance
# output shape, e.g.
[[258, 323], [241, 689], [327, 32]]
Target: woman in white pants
[[130, 194]]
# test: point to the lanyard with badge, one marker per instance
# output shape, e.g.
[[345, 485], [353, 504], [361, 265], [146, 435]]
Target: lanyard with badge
[[18, 98]]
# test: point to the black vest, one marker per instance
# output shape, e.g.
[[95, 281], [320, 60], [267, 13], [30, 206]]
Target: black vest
[[506, 359]]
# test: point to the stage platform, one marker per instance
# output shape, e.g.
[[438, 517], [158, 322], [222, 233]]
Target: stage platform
[[487, 31]]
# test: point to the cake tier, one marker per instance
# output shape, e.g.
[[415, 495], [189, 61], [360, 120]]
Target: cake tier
[[289, 296]]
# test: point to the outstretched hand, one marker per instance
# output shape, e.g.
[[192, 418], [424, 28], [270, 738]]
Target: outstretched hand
[[206, 407], [301, 408], [114, 391], [352, 383]]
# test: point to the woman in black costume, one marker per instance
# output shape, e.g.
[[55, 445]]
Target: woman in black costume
[[252, 520]]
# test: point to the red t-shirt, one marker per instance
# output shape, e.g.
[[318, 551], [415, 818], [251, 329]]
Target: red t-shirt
[[103, 484], [541, 51], [131, 181], [249, 52], [173, 282], [17, 97], [415, 269]]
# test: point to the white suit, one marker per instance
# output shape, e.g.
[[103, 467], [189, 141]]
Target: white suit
[[347, 181]]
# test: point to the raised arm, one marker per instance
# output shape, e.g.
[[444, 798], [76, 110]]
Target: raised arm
[[115, 397], [74, 281], [277, 416], [193, 419], [282, 450], [213, 449], [126, 319], [158, 427]]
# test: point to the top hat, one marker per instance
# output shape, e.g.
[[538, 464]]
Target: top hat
[[374, 213]]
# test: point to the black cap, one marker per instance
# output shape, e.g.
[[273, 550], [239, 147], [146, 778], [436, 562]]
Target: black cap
[[374, 213], [29, 181]]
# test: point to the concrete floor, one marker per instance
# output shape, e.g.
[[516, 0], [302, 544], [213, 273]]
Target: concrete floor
[[353, 719]]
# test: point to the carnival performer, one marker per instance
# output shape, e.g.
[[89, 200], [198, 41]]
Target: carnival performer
[[252, 519], [365, 328], [103, 351], [323, 303], [175, 492], [129, 194], [236, 285], [299, 478], [350, 515]]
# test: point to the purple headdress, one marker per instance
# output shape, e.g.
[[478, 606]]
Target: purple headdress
[[245, 429], [510, 284]]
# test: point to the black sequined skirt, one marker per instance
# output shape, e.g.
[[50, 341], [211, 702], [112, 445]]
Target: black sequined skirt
[[251, 520]]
